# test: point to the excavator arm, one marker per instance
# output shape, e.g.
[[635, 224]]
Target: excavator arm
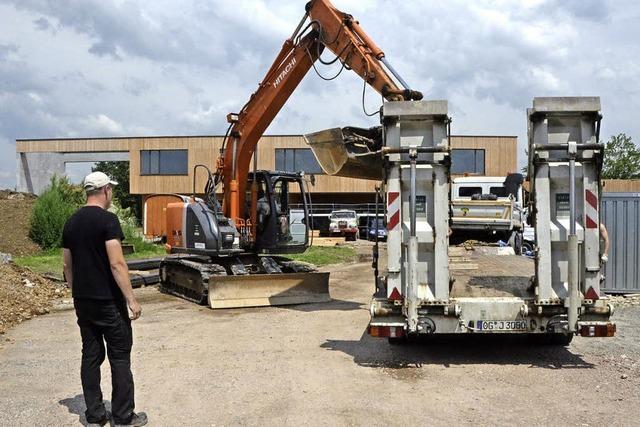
[[327, 28]]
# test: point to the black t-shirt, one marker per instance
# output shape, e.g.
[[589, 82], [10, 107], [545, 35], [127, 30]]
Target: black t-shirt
[[85, 234]]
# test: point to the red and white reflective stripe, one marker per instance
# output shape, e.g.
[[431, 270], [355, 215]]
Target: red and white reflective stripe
[[591, 209], [393, 210]]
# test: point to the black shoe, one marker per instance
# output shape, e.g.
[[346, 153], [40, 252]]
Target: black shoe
[[102, 422], [138, 420]]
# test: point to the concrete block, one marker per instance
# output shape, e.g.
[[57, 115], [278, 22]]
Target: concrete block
[[566, 104], [415, 108]]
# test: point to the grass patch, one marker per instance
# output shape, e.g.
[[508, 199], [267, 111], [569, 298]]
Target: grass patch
[[50, 261], [324, 255], [45, 262]]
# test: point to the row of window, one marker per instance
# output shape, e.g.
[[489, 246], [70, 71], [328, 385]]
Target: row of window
[[176, 162]]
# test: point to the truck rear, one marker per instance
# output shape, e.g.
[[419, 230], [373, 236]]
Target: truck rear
[[555, 296], [419, 294]]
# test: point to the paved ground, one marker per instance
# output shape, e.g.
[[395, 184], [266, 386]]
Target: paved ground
[[314, 365]]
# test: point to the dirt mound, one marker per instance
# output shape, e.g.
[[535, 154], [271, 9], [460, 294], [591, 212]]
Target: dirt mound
[[15, 212], [24, 294]]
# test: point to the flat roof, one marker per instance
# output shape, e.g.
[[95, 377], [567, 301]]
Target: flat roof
[[215, 136]]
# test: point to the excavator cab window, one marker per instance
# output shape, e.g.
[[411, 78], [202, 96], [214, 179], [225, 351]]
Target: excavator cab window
[[280, 228]]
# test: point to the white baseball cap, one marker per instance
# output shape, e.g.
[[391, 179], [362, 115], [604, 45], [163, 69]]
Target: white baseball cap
[[96, 180]]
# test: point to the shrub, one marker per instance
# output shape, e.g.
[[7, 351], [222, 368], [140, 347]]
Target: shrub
[[130, 228], [52, 209]]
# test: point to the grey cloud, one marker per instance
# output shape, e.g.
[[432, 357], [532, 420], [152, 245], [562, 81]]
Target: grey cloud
[[135, 86], [43, 24], [593, 10], [6, 50], [134, 67]]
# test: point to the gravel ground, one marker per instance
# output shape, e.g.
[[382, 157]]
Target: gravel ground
[[24, 295], [315, 365]]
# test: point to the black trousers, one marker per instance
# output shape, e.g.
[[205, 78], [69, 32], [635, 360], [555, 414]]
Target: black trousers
[[100, 322]]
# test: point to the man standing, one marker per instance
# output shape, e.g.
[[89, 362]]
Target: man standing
[[98, 275]]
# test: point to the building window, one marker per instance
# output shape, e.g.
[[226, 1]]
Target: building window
[[297, 159], [164, 162], [467, 161]]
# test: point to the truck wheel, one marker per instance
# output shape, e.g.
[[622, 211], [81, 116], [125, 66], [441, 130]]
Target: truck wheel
[[398, 340], [516, 242], [561, 339], [527, 247], [558, 339]]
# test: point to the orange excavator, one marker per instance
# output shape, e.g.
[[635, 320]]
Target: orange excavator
[[226, 254]]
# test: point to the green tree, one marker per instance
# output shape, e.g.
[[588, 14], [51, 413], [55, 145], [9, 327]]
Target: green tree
[[51, 211], [621, 158], [119, 171]]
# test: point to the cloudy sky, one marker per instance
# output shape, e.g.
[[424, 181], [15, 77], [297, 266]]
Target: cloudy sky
[[80, 68]]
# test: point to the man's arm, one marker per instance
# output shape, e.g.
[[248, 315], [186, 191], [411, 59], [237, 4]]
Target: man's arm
[[605, 237], [120, 272], [66, 267]]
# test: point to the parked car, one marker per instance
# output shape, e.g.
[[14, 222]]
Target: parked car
[[344, 222], [377, 226]]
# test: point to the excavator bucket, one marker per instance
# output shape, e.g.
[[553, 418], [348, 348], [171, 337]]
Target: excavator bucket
[[254, 290], [349, 152]]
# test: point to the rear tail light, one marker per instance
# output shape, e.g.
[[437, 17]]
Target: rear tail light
[[598, 330], [386, 331]]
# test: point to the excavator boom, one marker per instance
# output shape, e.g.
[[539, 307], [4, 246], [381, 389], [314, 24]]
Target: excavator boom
[[327, 28], [220, 254]]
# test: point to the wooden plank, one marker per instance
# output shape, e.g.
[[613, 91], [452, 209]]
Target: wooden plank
[[328, 241], [465, 266]]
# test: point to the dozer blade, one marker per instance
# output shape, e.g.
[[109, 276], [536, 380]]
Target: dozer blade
[[254, 290]]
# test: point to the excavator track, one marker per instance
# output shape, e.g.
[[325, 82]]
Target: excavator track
[[243, 281], [188, 278]]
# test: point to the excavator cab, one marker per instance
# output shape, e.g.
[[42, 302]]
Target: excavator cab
[[282, 212]]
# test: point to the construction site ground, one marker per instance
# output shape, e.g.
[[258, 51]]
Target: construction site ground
[[15, 211], [315, 365]]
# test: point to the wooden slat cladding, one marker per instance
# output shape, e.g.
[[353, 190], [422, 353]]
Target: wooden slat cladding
[[621, 186], [74, 145], [501, 152], [500, 158]]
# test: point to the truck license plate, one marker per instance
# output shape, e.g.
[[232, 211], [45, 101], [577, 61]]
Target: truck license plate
[[501, 325]]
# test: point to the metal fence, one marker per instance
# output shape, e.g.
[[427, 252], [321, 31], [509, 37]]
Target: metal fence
[[620, 213]]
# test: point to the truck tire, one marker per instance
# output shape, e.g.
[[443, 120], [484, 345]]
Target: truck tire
[[527, 246], [558, 339], [516, 241], [561, 339], [398, 341]]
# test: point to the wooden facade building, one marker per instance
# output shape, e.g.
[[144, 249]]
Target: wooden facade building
[[482, 155]]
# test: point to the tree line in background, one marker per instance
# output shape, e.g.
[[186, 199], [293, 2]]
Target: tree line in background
[[621, 159]]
